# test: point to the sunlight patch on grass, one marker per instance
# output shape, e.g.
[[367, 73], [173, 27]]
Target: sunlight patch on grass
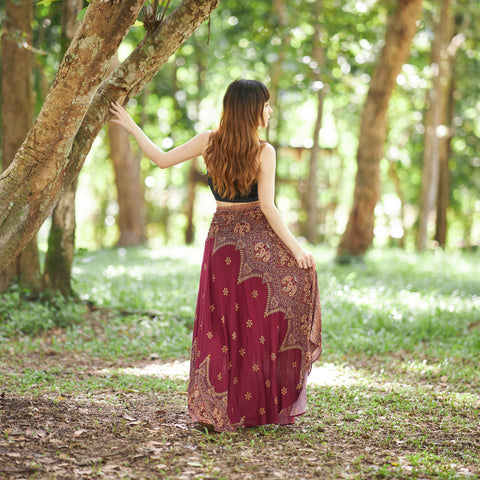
[[191, 255], [328, 374], [175, 369]]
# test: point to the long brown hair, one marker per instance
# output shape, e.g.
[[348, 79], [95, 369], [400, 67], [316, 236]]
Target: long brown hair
[[233, 149]]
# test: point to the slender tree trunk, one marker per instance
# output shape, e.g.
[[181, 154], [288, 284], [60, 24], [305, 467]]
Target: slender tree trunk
[[444, 180], [358, 235], [443, 197], [61, 240], [61, 244], [312, 181], [36, 179], [192, 183], [131, 218], [280, 9], [17, 118], [395, 179], [131, 214], [436, 131], [194, 174]]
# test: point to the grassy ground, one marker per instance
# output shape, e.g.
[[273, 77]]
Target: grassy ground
[[97, 389]]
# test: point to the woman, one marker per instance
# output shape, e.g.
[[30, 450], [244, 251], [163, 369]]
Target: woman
[[258, 324]]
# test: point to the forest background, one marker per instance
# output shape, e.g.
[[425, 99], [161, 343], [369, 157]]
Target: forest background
[[93, 377], [318, 59]]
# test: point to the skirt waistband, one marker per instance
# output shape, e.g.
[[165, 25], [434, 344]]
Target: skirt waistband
[[238, 207]]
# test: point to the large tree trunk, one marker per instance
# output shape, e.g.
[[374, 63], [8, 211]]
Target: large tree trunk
[[17, 119], [35, 180], [436, 132], [61, 240], [358, 235], [126, 81], [312, 181]]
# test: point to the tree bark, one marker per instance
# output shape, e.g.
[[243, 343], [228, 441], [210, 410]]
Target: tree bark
[[131, 219], [401, 28], [194, 176], [280, 9], [312, 181], [17, 118], [61, 244], [192, 183], [126, 81], [131, 215], [36, 179], [436, 132], [61, 240], [443, 197]]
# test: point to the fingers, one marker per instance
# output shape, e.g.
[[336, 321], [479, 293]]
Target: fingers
[[306, 260], [120, 116], [116, 108]]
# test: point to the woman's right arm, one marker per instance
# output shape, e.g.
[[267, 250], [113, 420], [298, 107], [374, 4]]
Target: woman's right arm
[[266, 195], [191, 149]]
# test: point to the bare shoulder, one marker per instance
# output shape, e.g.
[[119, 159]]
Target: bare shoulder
[[204, 137], [267, 156], [267, 149]]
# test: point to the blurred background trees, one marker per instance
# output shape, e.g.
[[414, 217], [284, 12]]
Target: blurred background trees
[[318, 58]]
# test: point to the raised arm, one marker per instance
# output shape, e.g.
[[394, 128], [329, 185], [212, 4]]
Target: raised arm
[[266, 195], [193, 148]]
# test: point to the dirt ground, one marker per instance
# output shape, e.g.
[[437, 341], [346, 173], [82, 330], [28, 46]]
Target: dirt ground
[[140, 437], [114, 434]]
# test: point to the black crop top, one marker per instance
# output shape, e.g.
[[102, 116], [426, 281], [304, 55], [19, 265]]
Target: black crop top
[[251, 197]]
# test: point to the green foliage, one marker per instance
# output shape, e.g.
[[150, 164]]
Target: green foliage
[[398, 301], [21, 315], [244, 39], [145, 304], [54, 378]]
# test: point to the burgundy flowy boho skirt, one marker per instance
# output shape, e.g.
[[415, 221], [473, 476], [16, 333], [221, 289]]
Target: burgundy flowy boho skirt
[[257, 326]]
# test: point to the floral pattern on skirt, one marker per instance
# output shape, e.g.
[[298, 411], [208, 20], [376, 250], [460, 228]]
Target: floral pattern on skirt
[[257, 326]]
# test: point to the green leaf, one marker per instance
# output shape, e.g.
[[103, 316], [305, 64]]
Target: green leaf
[[81, 13]]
